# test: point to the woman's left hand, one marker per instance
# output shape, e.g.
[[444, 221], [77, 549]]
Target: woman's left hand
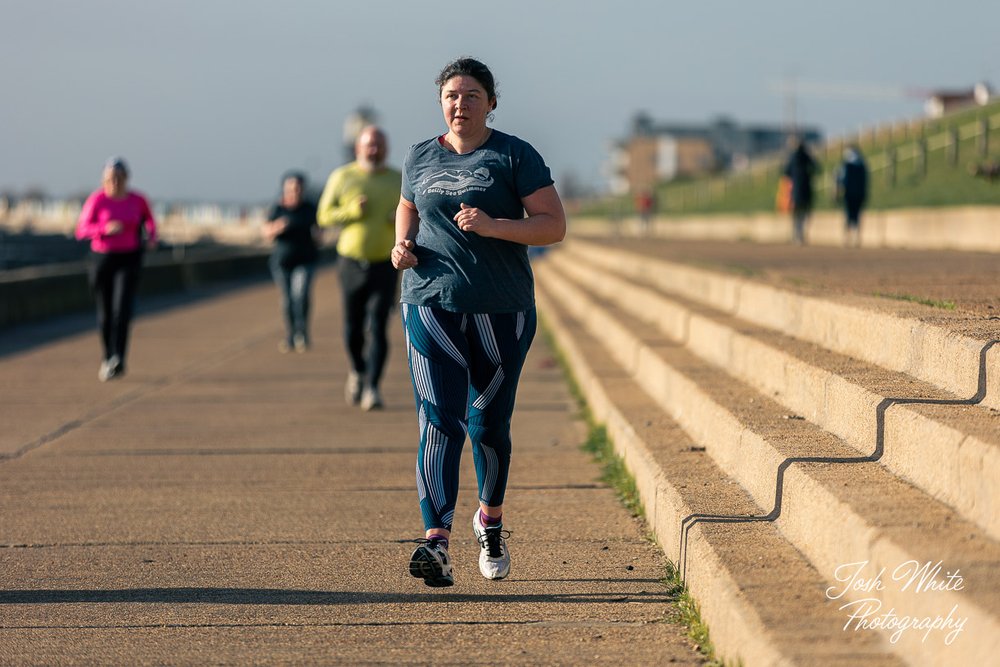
[[471, 219]]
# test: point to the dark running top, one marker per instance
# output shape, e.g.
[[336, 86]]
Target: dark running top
[[462, 271], [295, 245]]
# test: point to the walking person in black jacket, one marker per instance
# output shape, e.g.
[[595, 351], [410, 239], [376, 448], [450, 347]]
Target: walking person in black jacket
[[852, 192], [291, 225], [800, 169]]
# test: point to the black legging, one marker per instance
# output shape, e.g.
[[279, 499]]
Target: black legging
[[369, 292], [113, 280]]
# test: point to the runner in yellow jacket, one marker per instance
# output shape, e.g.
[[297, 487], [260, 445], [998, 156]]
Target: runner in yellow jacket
[[361, 199]]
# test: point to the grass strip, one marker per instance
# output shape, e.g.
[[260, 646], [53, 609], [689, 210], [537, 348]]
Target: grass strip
[[614, 473], [934, 303], [689, 616], [613, 470]]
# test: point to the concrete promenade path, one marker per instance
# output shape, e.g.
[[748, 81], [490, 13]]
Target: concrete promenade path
[[221, 504]]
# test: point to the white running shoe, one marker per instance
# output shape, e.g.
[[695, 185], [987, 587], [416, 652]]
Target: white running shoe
[[431, 563], [352, 390], [494, 558], [371, 399], [111, 368]]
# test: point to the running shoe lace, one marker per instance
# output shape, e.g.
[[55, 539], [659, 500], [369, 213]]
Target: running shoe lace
[[421, 540], [491, 541]]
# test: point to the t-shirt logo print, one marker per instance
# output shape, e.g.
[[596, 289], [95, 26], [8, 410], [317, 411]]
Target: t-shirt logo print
[[457, 181]]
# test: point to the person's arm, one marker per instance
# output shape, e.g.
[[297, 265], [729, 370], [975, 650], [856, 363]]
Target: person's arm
[[274, 225], [149, 222], [86, 226], [545, 224], [272, 229], [407, 226], [332, 209], [89, 227], [316, 233]]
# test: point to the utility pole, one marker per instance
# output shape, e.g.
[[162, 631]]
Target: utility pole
[[791, 123]]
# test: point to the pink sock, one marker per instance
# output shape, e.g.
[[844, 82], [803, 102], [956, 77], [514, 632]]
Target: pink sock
[[489, 521]]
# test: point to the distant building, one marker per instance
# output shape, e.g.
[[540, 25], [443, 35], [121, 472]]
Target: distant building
[[655, 153], [940, 102]]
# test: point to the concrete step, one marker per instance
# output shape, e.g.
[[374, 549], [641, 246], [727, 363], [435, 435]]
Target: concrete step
[[837, 507], [762, 599], [971, 228], [941, 443], [965, 365]]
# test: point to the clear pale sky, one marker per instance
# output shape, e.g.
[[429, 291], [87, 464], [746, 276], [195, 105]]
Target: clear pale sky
[[214, 99]]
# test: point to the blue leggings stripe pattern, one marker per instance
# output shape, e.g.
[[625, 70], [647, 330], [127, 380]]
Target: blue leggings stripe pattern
[[438, 334], [491, 391], [420, 373], [492, 469], [436, 444], [485, 329], [464, 383]]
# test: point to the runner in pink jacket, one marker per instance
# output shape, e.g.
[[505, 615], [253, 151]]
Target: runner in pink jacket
[[119, 225]]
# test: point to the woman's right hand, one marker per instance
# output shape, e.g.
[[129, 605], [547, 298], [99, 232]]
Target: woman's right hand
[[402, 254], [275, 227], [113, 227]]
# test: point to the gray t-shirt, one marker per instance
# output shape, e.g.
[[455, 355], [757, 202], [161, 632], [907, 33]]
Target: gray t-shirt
[[462, 271]]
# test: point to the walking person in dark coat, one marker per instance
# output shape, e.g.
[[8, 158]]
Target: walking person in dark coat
[[852, 192], [800, 170], [291, 226]]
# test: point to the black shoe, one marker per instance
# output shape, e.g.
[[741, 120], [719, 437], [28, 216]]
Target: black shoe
[[431, 563]]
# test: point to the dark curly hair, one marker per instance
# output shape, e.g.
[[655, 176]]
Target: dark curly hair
[[469, 67]]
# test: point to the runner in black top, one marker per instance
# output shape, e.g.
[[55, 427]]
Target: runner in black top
[[291, 224]]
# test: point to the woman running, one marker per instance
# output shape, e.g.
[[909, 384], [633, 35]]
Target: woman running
[[119, 224], [468, 305]]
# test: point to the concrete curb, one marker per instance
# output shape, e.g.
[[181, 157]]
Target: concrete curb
[[969, 228]]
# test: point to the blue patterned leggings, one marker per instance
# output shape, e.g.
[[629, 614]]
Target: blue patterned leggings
[[465, 368]]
